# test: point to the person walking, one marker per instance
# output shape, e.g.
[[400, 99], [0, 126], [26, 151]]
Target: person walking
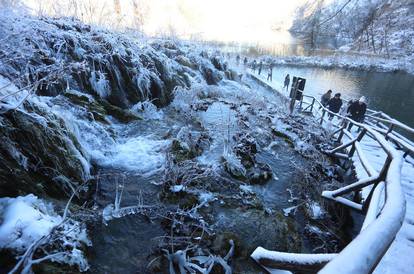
[[238, 59], [326, 97], [260, 67], [356, 111], [270, 73], [245, 61], [287, 82], [334, 105], [254, 65]]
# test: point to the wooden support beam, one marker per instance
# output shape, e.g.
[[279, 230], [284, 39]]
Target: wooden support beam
[[358, 139], [342, 200], [355, 186], [295, 262]]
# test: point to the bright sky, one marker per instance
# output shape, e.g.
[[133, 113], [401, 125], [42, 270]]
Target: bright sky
[[222, 20]]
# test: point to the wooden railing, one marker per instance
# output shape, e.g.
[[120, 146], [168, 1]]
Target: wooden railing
[[383, 219]]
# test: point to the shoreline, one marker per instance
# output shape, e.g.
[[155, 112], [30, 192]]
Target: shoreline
[[369, 64]]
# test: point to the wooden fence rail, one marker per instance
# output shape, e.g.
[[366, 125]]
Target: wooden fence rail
[[383, 220]]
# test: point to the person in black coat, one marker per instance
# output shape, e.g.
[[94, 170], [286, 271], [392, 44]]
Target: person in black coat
[[356, 111], [334, 105]]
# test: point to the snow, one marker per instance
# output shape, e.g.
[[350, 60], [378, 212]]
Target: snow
[[366, 63], [177, 188], [25, 219], [10, 95], [206, 197], [315, 210], [294, 258]]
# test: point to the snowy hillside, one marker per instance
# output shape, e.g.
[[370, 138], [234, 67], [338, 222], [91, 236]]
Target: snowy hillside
[[381, 27]]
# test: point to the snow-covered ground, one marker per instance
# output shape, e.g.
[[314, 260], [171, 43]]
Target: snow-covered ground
[[395, 260], [347, 61]]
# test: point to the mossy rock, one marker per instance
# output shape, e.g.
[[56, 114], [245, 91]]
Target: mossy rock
[[180, 152], [284, 136], [120, 114], [252, 228], [100, 108], [183, 199], [35, 152]]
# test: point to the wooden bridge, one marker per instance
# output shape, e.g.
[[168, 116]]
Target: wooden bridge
[[383, 203]]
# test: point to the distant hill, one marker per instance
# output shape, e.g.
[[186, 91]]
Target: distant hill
[[383, 27]]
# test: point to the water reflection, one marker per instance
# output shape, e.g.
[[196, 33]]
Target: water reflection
[[392, 93]]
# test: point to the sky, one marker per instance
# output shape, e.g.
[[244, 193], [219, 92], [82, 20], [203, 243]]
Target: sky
[[220, 20], [224, 20]]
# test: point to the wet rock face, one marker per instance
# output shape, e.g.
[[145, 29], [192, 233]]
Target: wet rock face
[[39, 155]]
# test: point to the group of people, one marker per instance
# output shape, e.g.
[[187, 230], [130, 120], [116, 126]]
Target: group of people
[[255, 66], [355, 109]]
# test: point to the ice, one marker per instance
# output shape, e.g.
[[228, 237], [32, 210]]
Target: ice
[[148, 110], [100, 84], [315, 210]]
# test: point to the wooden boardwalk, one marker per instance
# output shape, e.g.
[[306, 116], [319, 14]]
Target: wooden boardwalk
[[385, 171]]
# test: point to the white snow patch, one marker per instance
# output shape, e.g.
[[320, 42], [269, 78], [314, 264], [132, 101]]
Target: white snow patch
[[177, 188], [315, 210], [25, 219]]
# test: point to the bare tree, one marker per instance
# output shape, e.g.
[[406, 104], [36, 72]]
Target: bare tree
[[140, 10]]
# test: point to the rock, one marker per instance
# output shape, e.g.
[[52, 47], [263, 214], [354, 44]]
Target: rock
[[120, 114], [185, 62], [181, 151], [260, 173], [276, 232], [37, 149]]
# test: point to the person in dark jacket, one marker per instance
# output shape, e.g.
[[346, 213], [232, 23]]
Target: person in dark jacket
[[287, 82], [254, 65], [356, 111], [334, 105], [260, 67], [326, 97], [245, 61], [270, 73]]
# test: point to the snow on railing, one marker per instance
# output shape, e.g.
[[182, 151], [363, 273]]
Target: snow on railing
[[381, 224]]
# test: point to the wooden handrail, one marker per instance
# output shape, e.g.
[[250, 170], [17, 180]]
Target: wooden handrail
[[365, 251], [380, 227]]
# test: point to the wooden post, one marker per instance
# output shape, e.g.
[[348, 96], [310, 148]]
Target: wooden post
[[293, 99], [341, 134], [313, 102], [388, 131], [384, 169], [359, 138], [323, 115]]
